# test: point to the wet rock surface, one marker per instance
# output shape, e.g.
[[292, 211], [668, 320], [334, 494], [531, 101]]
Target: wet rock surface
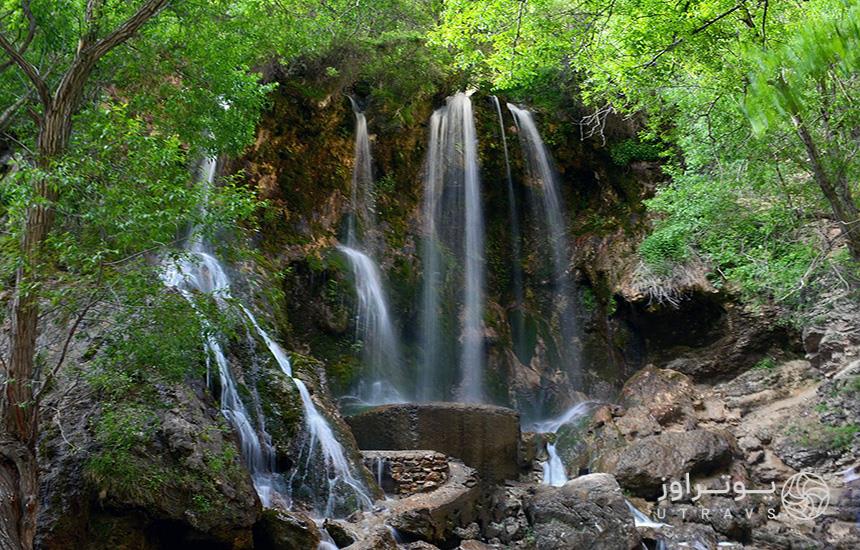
[[484, 437]]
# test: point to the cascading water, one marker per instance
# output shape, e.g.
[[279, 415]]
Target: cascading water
[[554, 472], [375, 331], [542, 175], [374, 326], [553, 469], [430, 379], [641, 520], [517, 318], [200, 271], [453, 224]]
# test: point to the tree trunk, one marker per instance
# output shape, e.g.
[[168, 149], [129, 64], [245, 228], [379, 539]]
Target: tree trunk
[[837, 193], [18, 465], [20, 417]]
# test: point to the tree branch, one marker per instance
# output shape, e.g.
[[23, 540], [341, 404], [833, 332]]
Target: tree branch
[[517, 37], [28, 69], [31, 33], [73, 82], [12, 109], [126, 30], [72, 331], [677, 41]]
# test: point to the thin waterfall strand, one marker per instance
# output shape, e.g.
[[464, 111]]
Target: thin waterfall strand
[[518, 320], [374, 327], [362, 200], [320, 432], [472, 362], [431, 262], [375, 330], [541, 171]]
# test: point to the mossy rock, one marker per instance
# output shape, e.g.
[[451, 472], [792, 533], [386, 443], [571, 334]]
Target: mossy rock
[[176, 460]]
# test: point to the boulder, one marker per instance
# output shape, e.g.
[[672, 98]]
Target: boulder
[[642, 465], [588, 512], [484, 437], [184, 481], [665, 395], [280, 530]]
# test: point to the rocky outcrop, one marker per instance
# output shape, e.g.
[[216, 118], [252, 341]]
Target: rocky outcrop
[[182, 481], [588, 512], [484, 437], [758, 428], [642, 466], [833, 340]]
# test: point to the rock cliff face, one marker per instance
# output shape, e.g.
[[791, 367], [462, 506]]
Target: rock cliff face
[[302, 161], [184, 484], [161, 467]]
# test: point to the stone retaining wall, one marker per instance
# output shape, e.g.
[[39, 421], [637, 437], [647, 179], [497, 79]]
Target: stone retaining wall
[[407, 472]]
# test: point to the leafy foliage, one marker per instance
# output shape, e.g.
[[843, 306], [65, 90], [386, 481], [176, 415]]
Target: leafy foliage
[[750, 95]]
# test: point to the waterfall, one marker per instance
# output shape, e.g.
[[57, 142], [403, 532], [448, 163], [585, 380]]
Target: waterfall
[[362, 199], [375, 331], [641, 520], [453, 224], [541, 172], [200, 271], [374, 326], [518, 320], [429, 378], [554, 471], [331, 452]]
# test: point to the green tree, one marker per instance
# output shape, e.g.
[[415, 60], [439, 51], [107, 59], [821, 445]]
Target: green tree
[[58, 103], [757, 96]]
